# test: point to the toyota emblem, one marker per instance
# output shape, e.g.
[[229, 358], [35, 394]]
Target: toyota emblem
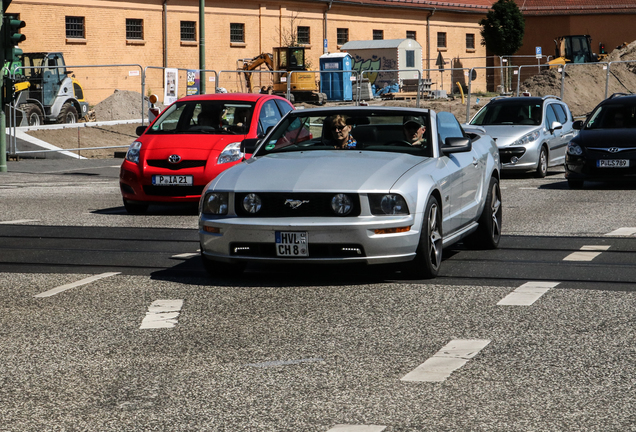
[[174, 159], [613, 149]]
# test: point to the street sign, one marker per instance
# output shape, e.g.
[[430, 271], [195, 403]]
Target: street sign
[[440, 61], [537, 51]]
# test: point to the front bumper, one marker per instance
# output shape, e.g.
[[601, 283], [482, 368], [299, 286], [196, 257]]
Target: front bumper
[[330, 240]]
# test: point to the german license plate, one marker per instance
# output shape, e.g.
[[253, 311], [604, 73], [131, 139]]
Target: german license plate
[[612, 163], [292, 244], [172, 180]]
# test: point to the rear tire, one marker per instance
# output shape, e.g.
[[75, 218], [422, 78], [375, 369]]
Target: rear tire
[[428, 256], [135, 208], [68, 114], [488, 233], [34, 115], [542, 165]]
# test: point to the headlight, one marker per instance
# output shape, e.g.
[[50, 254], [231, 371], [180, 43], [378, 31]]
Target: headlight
[[252, 203], [388, 204], [341, 204], [132, 154], [527, 138], [231, 153], [215, 203], [574, 149]]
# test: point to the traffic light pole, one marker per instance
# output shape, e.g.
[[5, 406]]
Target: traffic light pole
[[3, 119]]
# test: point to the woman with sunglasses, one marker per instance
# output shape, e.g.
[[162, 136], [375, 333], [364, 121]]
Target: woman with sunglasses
[[341, 133]]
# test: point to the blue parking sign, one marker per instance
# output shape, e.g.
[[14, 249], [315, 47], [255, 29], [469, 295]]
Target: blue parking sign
[[538, 52]]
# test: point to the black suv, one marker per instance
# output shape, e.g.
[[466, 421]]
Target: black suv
[[605, 148]]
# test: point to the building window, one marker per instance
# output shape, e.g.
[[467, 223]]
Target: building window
[[411, 34], [188, 30], [441, 40], [134, 28], [378, 34], [470, 41], [343, 36], [303, 35], [410, 58], [237, 32], [75, 27]]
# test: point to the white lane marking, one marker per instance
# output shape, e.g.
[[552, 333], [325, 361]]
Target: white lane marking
[[528, 188], [162, 314], [626, 232], [586, 254], [19, 221], [447, 360], [356, 428], [527, 294], [285, 362], [186, 255], [62, 288]]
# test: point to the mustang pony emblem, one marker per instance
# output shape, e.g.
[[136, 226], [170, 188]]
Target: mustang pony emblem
[[294, 203], [173, 159]]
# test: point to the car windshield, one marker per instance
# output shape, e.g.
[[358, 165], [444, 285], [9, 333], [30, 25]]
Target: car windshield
[[509, 113], [204, 117], [367, 130], [612, 116]]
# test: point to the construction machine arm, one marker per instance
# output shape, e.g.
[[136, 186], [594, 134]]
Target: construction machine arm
[[265, 58]]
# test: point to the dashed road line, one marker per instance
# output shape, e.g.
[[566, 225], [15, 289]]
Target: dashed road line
[[356, 428], [162, 314], [586, 253], [186, 255], [527, 294], [447, 360], [623, 232], [63, 288], [19, 221]]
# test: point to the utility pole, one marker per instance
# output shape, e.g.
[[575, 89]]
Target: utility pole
[[202, 46]]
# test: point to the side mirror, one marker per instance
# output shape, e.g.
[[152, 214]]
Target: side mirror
[[140, 130], [578, 125], [555, 125], [456, 145], [248, 146]]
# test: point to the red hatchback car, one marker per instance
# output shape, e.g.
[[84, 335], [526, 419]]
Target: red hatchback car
[[190, 143]]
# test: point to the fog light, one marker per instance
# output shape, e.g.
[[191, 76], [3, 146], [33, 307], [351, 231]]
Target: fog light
[[213, 230], [514, 159]]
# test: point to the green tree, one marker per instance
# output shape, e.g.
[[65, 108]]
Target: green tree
[[503, 28]]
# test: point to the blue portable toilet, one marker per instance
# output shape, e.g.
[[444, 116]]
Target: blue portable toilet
[[336, 85]]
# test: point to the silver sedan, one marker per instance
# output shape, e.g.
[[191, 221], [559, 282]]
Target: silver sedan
[[359, 184]]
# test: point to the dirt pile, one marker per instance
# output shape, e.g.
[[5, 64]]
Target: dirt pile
[[584, 84], [121, 105]]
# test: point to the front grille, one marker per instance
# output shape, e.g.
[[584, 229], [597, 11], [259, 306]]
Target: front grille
[[605, 154], [173, 190], [317, 250], [163, 163], [315, 204], [507, 153]]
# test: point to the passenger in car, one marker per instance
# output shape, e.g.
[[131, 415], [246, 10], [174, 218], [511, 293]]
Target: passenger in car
[[341, 134], [414, 129]]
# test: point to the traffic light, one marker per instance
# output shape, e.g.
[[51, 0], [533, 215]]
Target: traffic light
[[11, 36], [601, 48]]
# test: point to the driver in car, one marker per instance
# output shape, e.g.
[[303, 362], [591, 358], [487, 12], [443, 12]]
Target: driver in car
[[414, 129], [341, 132]]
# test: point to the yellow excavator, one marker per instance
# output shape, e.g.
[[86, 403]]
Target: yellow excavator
[[573, 49], [303, 86]]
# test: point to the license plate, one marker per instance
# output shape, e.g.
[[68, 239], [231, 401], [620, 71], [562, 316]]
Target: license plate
[[612, 163], [292, 244], [172, 180]]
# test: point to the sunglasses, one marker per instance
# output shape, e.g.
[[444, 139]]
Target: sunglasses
[[337, 128]]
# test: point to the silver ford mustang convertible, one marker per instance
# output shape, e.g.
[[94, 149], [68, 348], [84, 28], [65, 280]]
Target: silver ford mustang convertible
[[354, 184]]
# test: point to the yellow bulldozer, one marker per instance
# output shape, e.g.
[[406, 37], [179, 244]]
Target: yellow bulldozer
[[303, 86], [574, 49]]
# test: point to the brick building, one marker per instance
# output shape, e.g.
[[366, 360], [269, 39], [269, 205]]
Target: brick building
[[165, 33]]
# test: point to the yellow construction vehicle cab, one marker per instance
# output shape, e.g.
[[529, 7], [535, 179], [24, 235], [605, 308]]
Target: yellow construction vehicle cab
[[573, 49], [303, 85]]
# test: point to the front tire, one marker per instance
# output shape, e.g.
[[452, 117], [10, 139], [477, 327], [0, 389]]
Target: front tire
[[542, 165], [68, 114], [488, 233], [428, 256], [135, 208], [34, 115]]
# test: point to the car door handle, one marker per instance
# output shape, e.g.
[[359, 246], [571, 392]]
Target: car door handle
[[475, 161]]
